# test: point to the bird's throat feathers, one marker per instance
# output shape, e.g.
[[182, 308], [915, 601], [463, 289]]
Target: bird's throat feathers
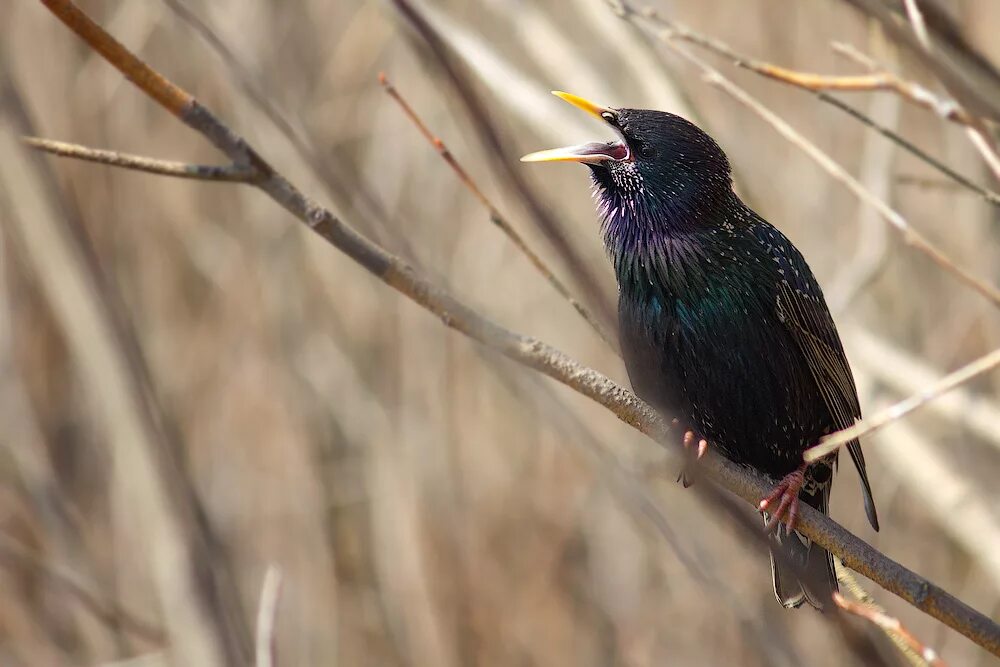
[[664, 235]]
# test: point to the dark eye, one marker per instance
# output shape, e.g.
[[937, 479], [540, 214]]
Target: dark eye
[[646, 150]]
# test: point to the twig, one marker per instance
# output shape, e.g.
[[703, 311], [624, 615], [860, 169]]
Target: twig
[[889, 624], [427, 25], [847, 579], [890, 215], [907, 145], [495, 217], [975, 84], [267, 611], [196, 608], [528, 351], [107, 611], [899, 370], [876, 80], [199, 172], [818, 85], [838, 439], [917, 21]]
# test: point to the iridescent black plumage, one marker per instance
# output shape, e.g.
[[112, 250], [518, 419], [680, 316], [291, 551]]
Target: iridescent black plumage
[[722, 323]]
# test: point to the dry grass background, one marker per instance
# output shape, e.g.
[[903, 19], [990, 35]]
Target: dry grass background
[[428, 502]]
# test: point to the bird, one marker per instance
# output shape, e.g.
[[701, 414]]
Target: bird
[[722, 324]]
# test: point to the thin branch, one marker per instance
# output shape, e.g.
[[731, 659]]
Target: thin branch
[[847, 580], [495, 217], [439, 42], [917, 21], [838, 439], [988, 195], [267, 612], [526, 350], [811, 83], [889, 624], [966, 75], [666, 31], [108, 611], [198, 172]]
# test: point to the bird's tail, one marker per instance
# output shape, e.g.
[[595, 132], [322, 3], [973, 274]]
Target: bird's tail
[[799, 556]]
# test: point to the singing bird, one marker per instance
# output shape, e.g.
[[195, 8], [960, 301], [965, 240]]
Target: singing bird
[[722, 324]]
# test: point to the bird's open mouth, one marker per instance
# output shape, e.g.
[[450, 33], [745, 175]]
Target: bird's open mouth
[[594, 152]]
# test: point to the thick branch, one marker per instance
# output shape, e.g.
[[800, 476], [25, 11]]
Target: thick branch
[[529, 351]]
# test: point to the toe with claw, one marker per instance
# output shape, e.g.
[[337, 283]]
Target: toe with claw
[[687, 475], [786, 496]]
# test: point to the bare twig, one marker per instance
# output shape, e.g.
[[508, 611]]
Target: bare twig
[[818, 85], [107, 611], [966, 75], [427, 24], [199, 172], [889, 624], [666, 31], [495, 217], [198, 614], [267, 612], [847, 579], [838, 439], [528, 351], [917, 21], [905, 375], [907, 145]]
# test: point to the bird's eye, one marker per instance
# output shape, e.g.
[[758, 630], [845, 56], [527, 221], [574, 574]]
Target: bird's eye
[[646, 150]]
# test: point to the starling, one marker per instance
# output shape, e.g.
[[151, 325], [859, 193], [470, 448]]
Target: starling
[[722, 324]]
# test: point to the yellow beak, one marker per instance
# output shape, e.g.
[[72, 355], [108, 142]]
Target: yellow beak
[[594, 152]]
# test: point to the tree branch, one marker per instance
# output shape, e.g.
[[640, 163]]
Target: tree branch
[[526, 350], [667, 32], [838, 439], [891, 626], [495, 217], [198, 172]]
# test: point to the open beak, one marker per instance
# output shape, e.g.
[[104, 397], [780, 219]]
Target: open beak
[[591, 153]]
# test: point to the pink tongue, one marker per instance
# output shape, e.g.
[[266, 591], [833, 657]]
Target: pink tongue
[[613, 149]]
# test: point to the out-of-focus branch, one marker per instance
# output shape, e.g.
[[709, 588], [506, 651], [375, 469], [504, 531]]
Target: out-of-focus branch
[[665, 31], [969, 77], [818, 85], [528, 351], [848, 581], [905, 374], [890, 625], [917, 21], [495, 217], [838, 439], [198, 607], [107, 611], [198, 172], [421, 19], [267, 613], [329, 172], [885, 80]]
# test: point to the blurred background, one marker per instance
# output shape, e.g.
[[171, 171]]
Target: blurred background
[[426, 501]]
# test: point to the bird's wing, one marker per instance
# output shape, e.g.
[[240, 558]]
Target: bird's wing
[[808, 319]]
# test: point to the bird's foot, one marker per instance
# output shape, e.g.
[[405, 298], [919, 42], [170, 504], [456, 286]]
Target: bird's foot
[[786, 495], [693, 454]]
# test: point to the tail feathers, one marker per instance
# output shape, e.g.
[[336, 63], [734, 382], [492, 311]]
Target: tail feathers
[[814, 563], [800, 570], [854, 448]]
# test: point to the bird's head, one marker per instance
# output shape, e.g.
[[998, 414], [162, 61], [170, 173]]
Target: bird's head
[[660, 164]]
